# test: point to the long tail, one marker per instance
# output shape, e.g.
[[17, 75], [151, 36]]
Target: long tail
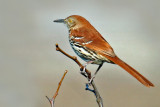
[[131, 71]]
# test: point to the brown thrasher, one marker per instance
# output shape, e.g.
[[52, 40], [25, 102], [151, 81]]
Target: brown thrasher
[[89, 44]]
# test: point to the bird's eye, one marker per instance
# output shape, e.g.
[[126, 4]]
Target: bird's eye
[[70, 20]]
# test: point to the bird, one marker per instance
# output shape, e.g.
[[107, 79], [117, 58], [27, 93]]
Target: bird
[[90, 46]]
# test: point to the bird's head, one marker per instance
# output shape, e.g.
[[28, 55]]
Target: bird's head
[[74, 21]]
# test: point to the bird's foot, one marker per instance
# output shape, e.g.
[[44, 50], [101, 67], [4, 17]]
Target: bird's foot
[[91, 80], [83, 72], [83, 68]]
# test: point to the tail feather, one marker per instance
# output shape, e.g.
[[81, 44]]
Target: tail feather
[[131, 71]]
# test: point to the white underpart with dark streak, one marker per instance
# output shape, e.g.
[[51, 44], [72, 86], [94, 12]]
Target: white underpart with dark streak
[[81, 50]]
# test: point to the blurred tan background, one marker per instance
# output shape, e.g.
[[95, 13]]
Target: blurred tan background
[[30, 67]]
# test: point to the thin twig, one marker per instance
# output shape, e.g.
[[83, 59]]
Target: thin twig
[[52, 100], [74, 59], [59, 85], [98, 97]]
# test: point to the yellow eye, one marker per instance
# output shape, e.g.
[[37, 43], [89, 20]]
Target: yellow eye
[[70, 20]]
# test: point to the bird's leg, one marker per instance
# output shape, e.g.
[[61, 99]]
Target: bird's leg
[[84, 67], [90, 81]]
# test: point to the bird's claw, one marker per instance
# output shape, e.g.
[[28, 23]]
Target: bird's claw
[[82, 71], [91, 80]]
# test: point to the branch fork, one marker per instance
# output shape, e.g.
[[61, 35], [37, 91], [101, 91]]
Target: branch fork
[[52, 100]]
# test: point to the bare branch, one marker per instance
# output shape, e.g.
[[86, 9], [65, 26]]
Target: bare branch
[[98, 97], [59, 85], [74, 59], [52, 100]]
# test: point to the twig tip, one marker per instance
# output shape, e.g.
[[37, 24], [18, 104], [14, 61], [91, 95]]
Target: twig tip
[[56, 44], [57, 47], [66, 71], [48, 98]]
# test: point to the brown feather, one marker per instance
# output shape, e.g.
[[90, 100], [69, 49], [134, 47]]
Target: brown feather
[[131, 71], [98, 42]]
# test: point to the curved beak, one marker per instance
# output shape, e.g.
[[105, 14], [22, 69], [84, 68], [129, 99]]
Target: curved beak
[[59, 21]]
